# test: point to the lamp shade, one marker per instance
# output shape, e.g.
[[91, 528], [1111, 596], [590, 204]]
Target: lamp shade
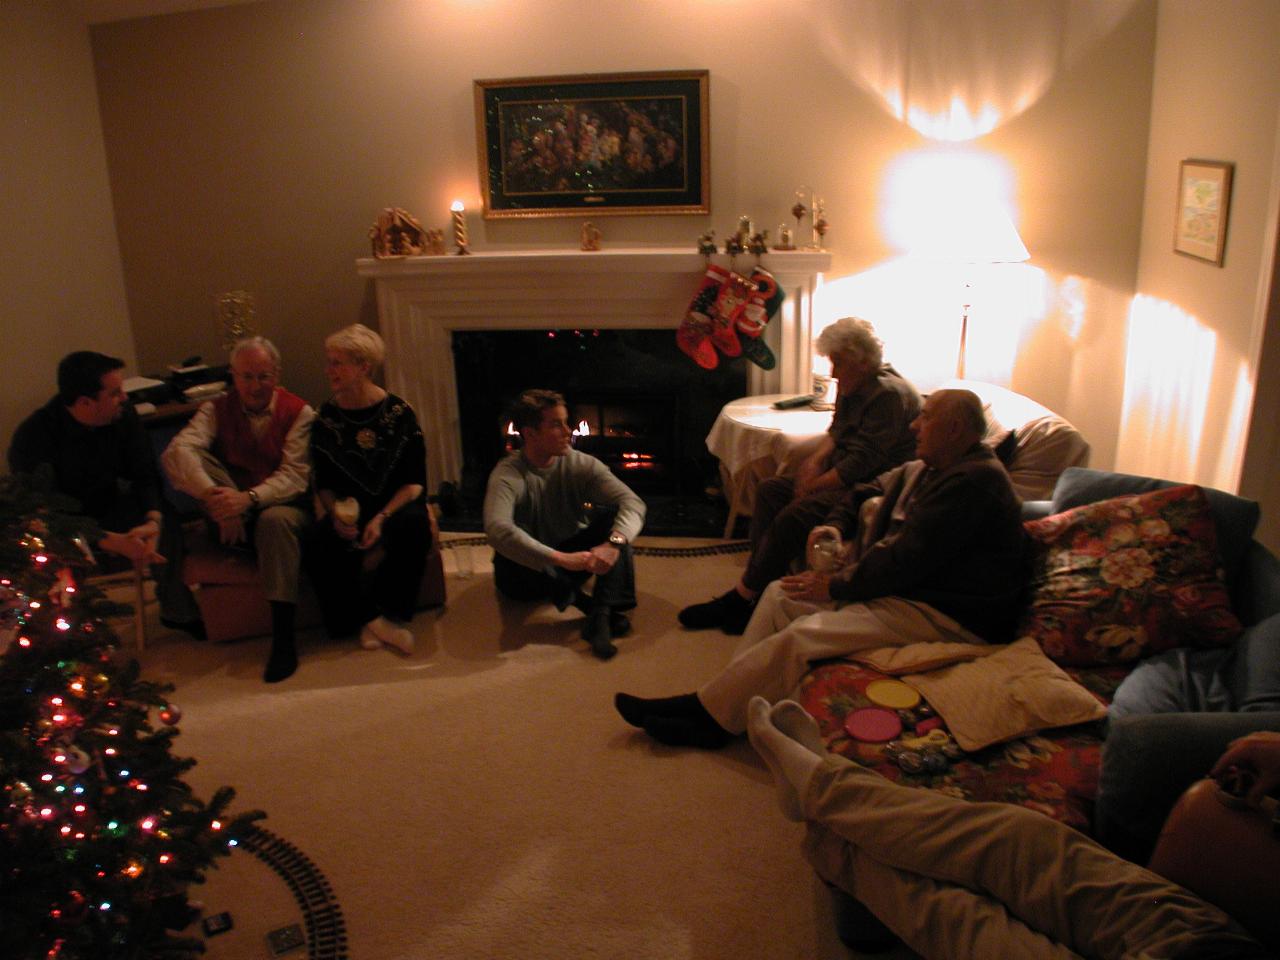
[[963, 231]]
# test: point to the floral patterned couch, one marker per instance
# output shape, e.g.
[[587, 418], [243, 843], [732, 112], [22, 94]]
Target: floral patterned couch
[[1194, 606]]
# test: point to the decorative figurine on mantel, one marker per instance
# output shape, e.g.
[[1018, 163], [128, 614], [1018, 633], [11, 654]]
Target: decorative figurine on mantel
[[707, 244], [396, 233], [759, 243], [590, 236], [784, 238], [819, 222], [435, 243]]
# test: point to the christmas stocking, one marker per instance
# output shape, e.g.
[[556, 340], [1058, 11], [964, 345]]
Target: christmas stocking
[[755, 314], [734, 293], [694, 335]]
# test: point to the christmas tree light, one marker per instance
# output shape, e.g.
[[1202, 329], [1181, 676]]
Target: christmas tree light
[[100, 837]]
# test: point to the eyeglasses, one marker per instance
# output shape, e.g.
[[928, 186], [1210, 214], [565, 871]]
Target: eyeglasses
[[257, 377]]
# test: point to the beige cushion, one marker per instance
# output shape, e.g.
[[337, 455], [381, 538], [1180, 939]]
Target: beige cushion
[[1046, 443], [1014, 692]]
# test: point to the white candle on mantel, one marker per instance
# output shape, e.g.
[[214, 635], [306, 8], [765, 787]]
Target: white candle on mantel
[[458, 212]]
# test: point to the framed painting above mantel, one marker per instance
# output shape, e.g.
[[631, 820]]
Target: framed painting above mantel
[[594, 144]]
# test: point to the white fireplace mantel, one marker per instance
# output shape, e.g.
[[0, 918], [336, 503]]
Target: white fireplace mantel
[[422, 300]]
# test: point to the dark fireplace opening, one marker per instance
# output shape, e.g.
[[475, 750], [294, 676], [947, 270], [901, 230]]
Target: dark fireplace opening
[[637, 403]]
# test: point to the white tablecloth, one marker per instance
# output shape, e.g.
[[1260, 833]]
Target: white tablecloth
[[750, 428]]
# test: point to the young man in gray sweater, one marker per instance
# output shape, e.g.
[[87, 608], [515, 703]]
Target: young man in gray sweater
[[555, 517]]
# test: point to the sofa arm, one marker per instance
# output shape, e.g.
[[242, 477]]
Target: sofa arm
[[1148, 761], [1259, 593]]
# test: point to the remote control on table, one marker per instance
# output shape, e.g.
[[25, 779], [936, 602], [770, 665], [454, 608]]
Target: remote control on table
[[792, 402]]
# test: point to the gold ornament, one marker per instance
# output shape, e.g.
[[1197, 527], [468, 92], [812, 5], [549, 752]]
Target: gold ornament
[[236, 313]]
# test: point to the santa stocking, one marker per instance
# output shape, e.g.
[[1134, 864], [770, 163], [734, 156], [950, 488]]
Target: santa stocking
[[733, 295], [755, 314], [694, 335]]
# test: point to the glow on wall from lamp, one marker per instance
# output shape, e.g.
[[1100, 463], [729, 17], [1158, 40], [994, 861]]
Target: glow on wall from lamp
[[1168, 374], [956, 71]]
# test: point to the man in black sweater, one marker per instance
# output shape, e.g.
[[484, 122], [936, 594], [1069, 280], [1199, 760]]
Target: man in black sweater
[[945, 562], [91, 440]]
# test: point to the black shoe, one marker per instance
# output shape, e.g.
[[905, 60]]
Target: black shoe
[[679, 732], [193, 627], [729, 611], [596, 632]]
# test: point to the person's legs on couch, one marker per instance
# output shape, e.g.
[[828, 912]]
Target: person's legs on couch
[[874, 838]]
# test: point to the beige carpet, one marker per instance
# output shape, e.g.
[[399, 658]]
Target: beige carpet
[[481, 798]]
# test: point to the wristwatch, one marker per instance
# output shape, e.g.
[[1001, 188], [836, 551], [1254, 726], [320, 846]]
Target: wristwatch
[[617, 539]]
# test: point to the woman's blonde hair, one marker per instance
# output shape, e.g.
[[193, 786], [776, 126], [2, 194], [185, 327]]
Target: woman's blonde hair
[[360, 343]]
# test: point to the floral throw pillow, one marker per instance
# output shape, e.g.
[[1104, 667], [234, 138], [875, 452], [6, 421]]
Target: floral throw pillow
[[1121, 579]]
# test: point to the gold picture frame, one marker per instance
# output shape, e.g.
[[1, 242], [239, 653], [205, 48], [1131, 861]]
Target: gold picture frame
[[1204, 201], [598, 144]]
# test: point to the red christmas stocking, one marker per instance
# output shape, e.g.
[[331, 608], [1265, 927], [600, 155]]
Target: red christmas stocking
[[694, 335], [734, 293]]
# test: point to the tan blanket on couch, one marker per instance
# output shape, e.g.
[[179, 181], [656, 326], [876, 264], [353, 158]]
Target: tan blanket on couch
[[988, 694]]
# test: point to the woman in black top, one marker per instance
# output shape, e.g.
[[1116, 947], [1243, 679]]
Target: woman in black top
[[369, 467]]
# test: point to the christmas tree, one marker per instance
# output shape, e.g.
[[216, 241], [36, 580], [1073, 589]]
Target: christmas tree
[[100, 838]]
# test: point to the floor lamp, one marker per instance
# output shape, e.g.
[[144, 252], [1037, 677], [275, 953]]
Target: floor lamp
[[986, 236]]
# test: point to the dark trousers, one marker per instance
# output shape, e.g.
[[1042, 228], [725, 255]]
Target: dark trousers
[[780, 526], [615, 589], [349, 598]]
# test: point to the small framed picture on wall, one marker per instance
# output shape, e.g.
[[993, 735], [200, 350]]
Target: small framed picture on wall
[[1204, 200]]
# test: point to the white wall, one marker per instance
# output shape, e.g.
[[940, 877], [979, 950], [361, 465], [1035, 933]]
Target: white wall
[[1216, 96], [61, 286], [252, 146]]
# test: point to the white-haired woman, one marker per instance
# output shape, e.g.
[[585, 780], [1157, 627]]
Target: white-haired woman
[[369, 466]]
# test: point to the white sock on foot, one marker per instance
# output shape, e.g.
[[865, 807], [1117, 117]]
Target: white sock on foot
[[368, 639], [393, 635], [794, 720], [791, 761]]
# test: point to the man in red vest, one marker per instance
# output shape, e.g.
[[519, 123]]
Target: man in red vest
[[245, 457]]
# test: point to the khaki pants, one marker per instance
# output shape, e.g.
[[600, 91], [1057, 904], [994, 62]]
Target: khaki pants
[[984, 880], [785, 636], [275, 534]]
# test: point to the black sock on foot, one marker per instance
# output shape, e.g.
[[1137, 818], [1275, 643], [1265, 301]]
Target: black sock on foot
[[635, 710], [193, 627], [729, 611], [687, 732], [596, 632]]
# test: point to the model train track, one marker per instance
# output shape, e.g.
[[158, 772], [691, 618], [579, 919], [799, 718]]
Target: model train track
[[325, 930], [705, 550]]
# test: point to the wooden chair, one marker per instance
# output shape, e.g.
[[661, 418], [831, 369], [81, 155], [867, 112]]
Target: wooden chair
[[137, 578]]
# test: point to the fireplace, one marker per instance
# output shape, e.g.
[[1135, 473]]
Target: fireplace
[[424, 301], [635, 402]]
